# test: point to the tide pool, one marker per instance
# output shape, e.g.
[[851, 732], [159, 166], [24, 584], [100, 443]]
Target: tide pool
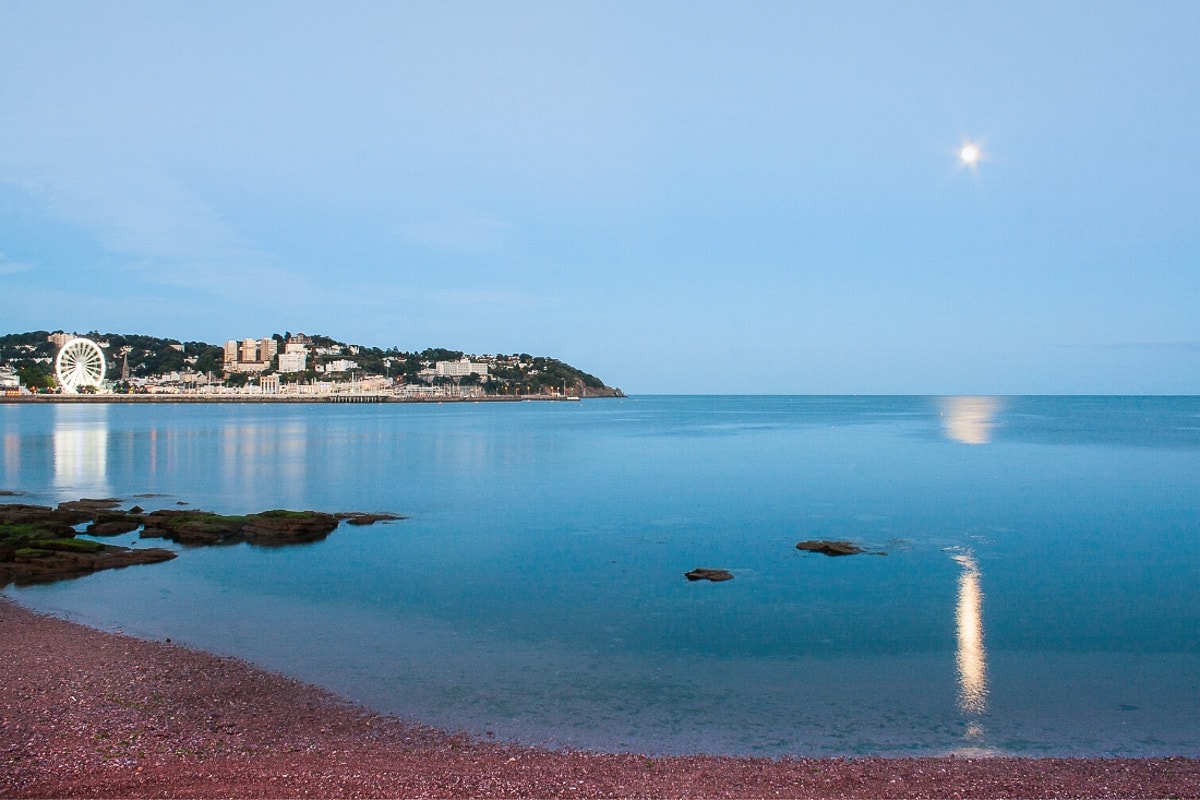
[[1040, 592]]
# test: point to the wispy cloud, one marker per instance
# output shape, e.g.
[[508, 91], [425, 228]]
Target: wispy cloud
[[8, 267], [160, 231]]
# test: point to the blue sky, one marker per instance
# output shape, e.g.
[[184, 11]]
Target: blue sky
[[676, 197]]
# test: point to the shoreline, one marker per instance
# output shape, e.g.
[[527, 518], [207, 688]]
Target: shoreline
[[85, 713], [344, 397]]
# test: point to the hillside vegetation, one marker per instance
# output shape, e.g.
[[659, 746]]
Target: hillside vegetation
[[136, 358]]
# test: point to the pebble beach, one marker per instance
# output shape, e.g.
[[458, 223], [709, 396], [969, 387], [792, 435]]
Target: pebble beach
[[84, 713]]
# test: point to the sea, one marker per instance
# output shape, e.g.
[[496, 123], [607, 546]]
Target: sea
[[1030, 581]]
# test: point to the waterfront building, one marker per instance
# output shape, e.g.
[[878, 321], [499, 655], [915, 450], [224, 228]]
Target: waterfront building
[[341, 365], [460, 368], [294, 360]]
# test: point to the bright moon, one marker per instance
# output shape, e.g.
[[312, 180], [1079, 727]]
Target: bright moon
[[969, 154]]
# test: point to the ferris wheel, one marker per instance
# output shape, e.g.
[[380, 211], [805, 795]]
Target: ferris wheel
[[79, 363]]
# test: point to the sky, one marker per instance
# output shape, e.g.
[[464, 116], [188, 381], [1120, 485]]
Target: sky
[[677, 197]]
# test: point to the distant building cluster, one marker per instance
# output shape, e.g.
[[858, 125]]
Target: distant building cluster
[[459, 369], [273, 365], [260, 355]]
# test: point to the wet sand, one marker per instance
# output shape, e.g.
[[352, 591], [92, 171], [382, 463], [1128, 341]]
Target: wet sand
[[90, 714]]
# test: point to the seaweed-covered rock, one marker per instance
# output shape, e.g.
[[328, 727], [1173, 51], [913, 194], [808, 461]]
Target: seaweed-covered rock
[[43, 551], [281, 527], [112, 523], [193, 527], [76, 512], [58, 561], [24, 513], [268, 528], [715, 575]]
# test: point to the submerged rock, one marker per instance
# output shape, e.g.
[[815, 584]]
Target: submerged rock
[[715, 575], [364, 518], [830, 548]]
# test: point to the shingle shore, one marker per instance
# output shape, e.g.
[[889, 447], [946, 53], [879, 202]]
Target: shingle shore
[[90, 714]]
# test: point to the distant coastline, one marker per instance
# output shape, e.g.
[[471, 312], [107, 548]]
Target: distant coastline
[[280, 365], [94, 399]]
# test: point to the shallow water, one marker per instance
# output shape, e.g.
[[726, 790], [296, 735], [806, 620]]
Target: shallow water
[[1040, 592]]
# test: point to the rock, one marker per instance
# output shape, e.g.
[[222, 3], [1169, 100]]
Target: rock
[[830, 548], [55, 562], [193, 527], [23, 513], [75, 512], [71, 512], [47, 550], [288, 527], [37, 543], [90, 504], [363, 518], [714, 575], [268, 528], [112, 523], [111, 528]]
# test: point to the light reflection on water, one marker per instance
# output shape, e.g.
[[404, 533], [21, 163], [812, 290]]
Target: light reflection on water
[[971, 656], [970, 419], [81, 449], [536, 589]]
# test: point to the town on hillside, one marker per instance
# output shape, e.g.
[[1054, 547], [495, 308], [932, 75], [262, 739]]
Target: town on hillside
[[279, 366]]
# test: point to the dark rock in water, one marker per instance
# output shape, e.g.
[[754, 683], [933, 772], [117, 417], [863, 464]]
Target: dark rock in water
[[714, 575], [44, 549], [75, 512], [830, 548], [37, 543], [71, 512], [112, 523], [23, 513], [54, 561], [363, 518], [288, 527], [136, 510], [268, 528], [111, 528], [90, 504], [193, 527]]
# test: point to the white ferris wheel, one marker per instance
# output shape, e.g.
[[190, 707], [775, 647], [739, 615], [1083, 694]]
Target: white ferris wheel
[[79, 363]]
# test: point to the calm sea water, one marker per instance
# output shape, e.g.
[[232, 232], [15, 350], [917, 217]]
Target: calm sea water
[[1040, 592]]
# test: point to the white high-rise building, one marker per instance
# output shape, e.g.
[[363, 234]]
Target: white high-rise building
[[293, 360]]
